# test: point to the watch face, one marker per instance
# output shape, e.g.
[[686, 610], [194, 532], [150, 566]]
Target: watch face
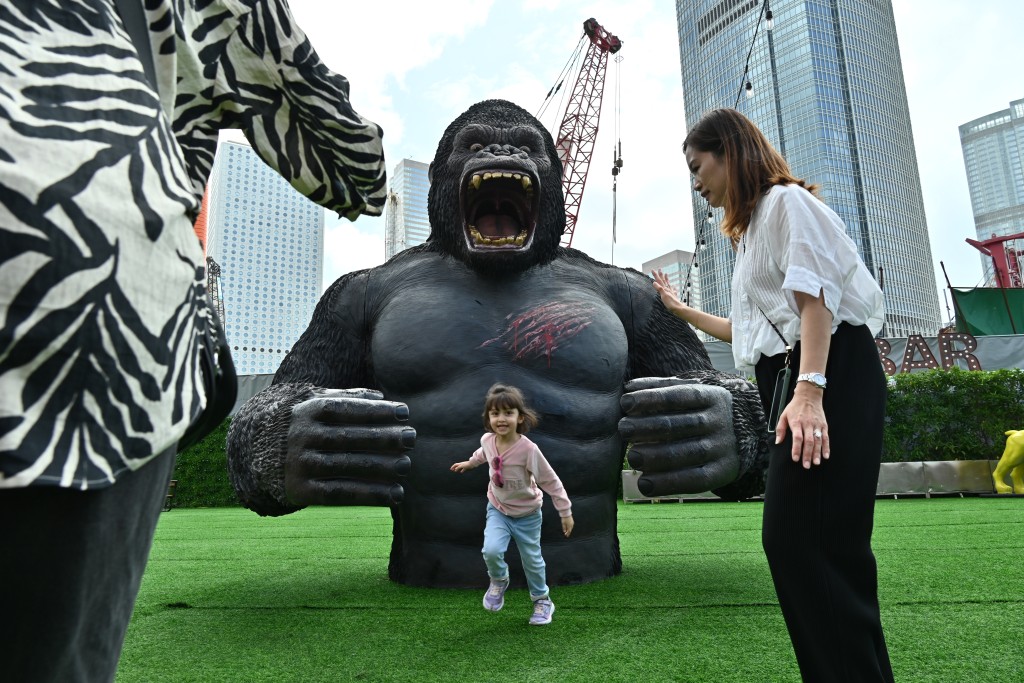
[[815, 378]]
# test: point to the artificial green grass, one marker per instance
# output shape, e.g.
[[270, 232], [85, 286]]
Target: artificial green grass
[[229, 596]]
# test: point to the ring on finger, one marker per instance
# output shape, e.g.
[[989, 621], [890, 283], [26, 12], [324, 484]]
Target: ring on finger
[[817, 433]]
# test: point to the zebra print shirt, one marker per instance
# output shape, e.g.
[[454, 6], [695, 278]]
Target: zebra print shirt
[[102, 295]]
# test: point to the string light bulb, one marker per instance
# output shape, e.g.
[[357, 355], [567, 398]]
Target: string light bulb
[[750, 90]]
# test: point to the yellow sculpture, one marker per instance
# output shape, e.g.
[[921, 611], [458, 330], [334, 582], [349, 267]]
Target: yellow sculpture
[[1011, 463]]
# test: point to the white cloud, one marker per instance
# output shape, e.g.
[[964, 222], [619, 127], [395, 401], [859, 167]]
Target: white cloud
[[349, 247]]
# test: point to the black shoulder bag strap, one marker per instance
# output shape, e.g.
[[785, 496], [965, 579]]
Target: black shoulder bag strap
[[220, 382]]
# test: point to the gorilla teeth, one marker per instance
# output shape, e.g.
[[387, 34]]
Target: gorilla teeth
[[474, 182], [518, 240]]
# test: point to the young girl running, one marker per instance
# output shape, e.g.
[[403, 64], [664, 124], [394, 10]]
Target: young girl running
[[519, 472]]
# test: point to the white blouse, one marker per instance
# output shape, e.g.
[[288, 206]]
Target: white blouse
[[795, 243]]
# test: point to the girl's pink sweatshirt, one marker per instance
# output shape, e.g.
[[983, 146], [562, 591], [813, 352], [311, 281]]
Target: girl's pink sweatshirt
[[526, 473]]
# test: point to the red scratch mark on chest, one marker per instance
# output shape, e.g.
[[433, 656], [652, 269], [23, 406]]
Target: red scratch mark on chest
[[540, 331]]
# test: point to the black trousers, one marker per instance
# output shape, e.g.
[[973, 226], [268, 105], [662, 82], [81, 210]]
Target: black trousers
[[817, 523], [70, 569]]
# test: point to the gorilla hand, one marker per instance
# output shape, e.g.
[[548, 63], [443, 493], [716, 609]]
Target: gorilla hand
[[681, 433], [347, 447]]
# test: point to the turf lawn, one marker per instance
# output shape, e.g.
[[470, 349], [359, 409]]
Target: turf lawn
[[230, 596]]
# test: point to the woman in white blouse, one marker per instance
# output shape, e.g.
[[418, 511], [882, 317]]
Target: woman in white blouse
[[804, 308]]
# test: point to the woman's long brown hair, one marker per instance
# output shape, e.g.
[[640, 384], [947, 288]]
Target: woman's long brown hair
[[752, 165]]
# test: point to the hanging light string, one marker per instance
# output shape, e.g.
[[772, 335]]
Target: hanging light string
[[745, 85]]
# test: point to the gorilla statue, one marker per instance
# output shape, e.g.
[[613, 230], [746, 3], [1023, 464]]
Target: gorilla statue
[[384, 390]]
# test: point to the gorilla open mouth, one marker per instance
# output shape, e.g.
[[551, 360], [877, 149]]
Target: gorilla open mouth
[[499, 209]]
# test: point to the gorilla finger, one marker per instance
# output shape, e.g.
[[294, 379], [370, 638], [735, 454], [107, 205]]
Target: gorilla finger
[[371, 394], [641, 383], [693, 480], [644, 429], [318, 465], [345, 492], [674, 398], [369, 438], [333, 410], [663, 457]]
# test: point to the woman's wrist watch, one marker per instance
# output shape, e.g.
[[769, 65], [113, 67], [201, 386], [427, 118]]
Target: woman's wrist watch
[[815, 378]]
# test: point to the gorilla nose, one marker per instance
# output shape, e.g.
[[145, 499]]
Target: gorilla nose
[[502, 150]]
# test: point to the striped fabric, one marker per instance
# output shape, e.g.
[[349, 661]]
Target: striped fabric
[[103, 308]]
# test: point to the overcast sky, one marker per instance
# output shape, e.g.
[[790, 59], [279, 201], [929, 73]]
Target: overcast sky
[[414, 66]]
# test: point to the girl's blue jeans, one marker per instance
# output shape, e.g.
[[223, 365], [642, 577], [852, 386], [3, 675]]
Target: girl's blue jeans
[[526, 532]]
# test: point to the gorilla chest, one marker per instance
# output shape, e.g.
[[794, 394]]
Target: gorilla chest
[[437, 335]]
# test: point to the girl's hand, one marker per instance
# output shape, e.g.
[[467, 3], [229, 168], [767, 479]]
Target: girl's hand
[[567, 525], [806, 418], [461, 467]]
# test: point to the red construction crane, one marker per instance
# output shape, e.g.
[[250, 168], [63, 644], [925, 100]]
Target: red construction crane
[[578, 132], [1005, 259]]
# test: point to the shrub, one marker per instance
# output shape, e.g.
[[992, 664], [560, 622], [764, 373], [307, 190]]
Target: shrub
[[952, 414], [202, 473], [932, 415]]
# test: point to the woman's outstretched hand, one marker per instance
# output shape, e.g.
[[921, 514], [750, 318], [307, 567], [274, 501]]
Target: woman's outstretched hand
[[669, 295]]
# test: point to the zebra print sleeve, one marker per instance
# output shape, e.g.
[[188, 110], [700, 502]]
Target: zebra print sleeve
[[255, 69]]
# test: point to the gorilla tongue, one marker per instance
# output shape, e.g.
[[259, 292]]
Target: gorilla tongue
[[496, 226]]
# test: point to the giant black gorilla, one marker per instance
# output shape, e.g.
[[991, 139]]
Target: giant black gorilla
[[384, 390]]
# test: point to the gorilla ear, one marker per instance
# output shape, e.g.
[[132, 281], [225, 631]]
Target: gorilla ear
[[430, 172]]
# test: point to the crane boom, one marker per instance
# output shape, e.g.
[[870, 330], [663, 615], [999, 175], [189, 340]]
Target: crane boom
[[578, 132]]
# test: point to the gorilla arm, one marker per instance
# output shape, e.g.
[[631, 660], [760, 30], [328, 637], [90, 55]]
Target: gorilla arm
[[309, 439], [692, 428]]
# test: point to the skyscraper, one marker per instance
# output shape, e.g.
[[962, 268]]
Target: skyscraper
[[826, 87], [994, 157], [268, 240], [406, 223]]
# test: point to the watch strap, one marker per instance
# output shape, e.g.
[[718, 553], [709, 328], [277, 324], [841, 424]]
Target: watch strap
[[815, 378]]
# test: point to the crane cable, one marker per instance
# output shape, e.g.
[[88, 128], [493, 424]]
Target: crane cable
[[568, 69], [617, 151]]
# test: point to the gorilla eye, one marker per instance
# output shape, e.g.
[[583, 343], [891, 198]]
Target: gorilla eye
[[475, 147]]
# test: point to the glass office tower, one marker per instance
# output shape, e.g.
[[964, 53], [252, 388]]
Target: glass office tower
[[826, 87], [406, 223], [993, 149], [269, 242]]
